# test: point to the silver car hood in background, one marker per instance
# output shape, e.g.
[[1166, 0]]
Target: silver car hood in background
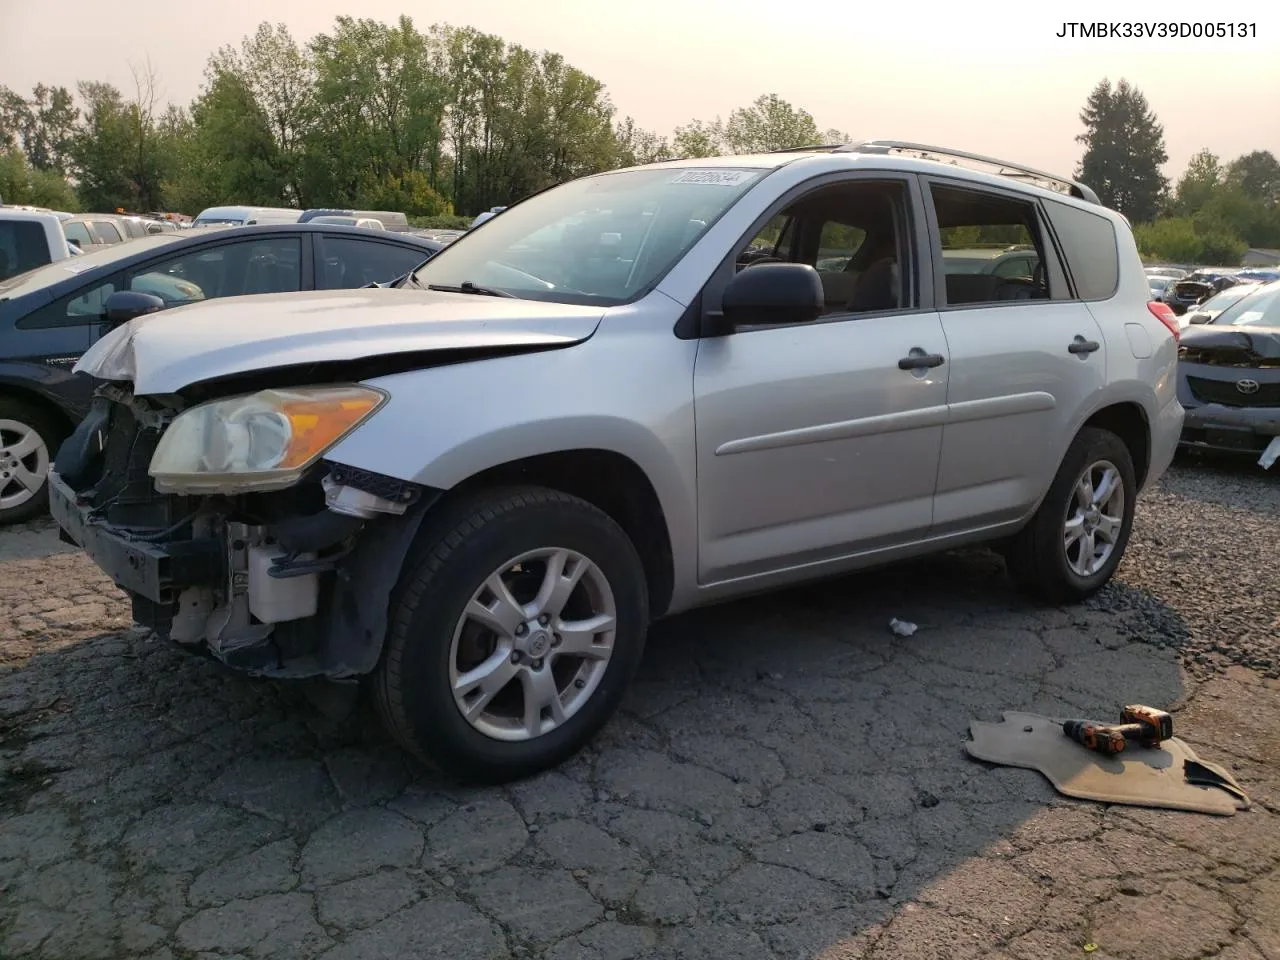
[[166, 351]]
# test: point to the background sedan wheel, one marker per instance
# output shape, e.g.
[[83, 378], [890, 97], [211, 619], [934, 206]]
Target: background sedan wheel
[[28, 441], [1077, 537], [517, 623]]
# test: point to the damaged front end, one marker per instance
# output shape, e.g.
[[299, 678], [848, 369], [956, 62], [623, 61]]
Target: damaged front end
[[1229, 386], [276, 563]]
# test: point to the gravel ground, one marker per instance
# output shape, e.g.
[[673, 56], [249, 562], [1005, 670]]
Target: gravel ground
[[1202, 571], [785, 780]]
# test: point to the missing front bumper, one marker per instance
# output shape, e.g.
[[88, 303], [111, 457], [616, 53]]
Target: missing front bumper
[[155, 571]]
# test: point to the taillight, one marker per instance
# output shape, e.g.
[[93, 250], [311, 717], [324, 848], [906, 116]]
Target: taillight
[[1164, 313]]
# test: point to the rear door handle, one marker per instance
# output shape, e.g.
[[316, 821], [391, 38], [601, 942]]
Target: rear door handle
[[1081, 346], [921, 361]]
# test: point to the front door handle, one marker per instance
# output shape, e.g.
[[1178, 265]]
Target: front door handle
[[921, 361], [1082, 346]]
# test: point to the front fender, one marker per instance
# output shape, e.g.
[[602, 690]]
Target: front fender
[[627, 391]]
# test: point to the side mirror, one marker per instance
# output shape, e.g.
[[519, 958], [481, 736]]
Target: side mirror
[[1199, 318], [773, 293], [124, 305]]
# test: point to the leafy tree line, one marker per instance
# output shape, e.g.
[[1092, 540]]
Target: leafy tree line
[[452, 120], [1212, 214], [369, 115]]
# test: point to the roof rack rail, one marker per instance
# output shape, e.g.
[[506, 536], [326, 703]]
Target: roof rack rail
[[812, 148], [1004, 167]]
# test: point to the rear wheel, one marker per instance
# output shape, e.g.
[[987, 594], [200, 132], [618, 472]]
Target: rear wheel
[[28, 440], [1077, 538], [517, 624]]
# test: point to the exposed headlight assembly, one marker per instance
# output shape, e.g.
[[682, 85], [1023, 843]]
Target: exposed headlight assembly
[[263, 441]]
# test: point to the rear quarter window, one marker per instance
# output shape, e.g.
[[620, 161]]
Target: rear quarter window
[[22, 247], [1089, 244]]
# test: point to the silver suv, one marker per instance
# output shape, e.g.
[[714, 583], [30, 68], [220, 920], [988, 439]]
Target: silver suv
[[625, 397]]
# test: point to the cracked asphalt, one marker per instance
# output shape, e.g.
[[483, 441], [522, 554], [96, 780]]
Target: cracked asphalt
[[786, 780]]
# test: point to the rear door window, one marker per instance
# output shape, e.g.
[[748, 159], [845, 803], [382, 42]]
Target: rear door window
[[76, 230], [349, 262], [107, 232]]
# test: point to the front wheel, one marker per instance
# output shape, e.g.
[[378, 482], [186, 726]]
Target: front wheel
[[28, 440], [1075, 541], [517, 625]]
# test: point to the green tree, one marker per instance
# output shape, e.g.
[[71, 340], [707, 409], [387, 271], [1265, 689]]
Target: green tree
[[1202, 179], [280, 78], [229, 154], [13, 117], [1124, 151], [379, 106], [49, 128], [699, 139], [1257, 174], [770, 123], [639, 146], [22, 183], [102, 148], [1182, 240]]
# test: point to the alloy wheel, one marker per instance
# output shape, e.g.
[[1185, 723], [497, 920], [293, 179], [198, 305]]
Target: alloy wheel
[[533, 644], [1095, 517], [24, 463]]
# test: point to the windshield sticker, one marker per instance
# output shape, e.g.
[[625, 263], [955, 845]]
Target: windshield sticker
[[717, 178]]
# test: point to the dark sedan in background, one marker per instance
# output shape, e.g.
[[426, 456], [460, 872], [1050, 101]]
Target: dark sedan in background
[[1196, 287], [51, 315], [1229, 376]]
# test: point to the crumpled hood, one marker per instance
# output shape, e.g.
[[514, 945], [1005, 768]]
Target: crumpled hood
[[1231, 345], [166, 351]]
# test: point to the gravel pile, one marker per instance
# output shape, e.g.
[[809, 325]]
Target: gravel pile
[[1202, 571]]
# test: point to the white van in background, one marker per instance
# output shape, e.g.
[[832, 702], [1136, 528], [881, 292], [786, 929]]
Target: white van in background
[[242, 216], [30, 239]]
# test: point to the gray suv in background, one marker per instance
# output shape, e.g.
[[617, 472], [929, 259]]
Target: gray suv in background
[[630, 395]]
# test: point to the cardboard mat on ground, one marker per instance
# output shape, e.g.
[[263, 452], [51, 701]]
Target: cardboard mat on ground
[[1169, 776]]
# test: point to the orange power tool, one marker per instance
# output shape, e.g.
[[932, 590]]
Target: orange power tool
[[1138, 723]]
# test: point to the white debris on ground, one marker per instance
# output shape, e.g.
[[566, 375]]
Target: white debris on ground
[[903, 628]]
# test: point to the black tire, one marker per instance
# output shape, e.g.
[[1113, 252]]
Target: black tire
[[1036, 557], [51, 432], [460, 545]]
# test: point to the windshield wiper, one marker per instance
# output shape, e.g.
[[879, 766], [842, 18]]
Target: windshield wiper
[[468, 287]]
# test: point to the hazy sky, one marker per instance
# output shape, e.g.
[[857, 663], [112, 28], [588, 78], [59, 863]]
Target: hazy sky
[[988, 77]]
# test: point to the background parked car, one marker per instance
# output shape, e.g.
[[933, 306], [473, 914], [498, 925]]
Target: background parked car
[[89, 231], [1229, 376], [1206, 312], [30, 239], [1015, 261], [246, 216], [390, 219], [487, 215], [51, 315], [1197, 287], [364, 223]]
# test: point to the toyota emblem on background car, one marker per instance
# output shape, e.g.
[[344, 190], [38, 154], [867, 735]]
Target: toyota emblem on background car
[[1247, 386]]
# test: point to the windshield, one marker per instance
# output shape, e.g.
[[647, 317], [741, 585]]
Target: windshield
[[343, 221], [604, 240], [1220, 301], [1260, 308]]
